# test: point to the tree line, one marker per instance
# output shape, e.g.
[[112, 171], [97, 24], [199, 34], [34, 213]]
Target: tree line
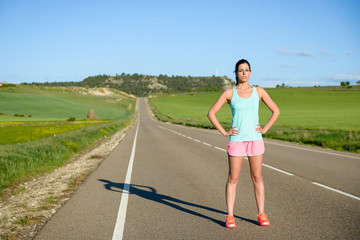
[[144, 85]]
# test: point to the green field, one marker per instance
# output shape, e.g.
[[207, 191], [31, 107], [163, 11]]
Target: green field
[[307, 114], [35, 134], [22, 160], [59, 104], [21, 133]]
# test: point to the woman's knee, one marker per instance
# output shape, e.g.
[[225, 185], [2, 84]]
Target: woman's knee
[[233, 179], [257, 178]]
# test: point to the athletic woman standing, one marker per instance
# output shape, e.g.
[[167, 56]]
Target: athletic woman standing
[[245, 137]]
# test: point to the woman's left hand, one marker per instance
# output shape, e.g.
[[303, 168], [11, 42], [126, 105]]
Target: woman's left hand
[[259, 129]]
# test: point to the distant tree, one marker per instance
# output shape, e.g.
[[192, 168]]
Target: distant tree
[[342, 84], [358, 82], [347, 83]]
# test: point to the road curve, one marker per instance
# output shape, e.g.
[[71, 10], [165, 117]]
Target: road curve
[[176, 190]]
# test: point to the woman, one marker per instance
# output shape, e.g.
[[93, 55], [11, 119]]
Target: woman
[[245, 137]]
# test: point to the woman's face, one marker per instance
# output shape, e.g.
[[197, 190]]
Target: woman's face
[[243, 73]]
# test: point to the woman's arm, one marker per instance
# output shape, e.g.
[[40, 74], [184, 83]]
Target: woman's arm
[[264, 96], [225, 97]]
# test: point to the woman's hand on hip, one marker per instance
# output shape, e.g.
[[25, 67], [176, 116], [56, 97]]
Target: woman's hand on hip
[[232, 132], [260, 130]]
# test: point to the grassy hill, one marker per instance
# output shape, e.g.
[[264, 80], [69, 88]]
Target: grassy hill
[[59, 104], [325, 116], [144, 85]]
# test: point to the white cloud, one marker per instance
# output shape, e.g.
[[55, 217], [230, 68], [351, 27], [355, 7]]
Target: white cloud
[[271, 82], [326, 53], [21, 78], [350, 53], [346, 77], [294, 53]]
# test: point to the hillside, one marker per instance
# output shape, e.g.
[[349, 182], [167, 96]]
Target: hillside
[[38, 103], [144, 85]]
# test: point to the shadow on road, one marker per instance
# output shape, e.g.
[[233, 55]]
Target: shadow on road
[[151, 194]]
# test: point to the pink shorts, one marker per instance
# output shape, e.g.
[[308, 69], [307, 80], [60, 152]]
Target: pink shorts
[[246, 148]]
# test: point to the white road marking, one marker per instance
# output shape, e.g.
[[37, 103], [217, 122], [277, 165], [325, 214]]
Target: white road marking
[[279, 170], [120, 221], [284, 172], [312, 150], [338, 191], [221, 149]]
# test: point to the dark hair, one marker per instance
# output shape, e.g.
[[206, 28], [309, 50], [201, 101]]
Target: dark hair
[[241, 62], [237, 65]]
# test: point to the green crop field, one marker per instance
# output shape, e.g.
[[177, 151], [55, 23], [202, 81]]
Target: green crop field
[[58, 104], [310, 115], [21, 133], [42, 127]]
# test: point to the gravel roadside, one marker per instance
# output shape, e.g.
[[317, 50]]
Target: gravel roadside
[[25, 208]]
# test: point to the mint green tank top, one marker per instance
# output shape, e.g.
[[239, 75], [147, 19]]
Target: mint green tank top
[[245, 112]]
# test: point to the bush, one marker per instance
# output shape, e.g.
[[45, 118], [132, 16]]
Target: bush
[[8, 85]]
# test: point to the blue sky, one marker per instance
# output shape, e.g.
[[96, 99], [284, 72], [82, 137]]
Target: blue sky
[[299, 43]]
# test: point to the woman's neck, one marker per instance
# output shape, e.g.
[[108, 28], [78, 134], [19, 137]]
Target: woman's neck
[[243, 85]]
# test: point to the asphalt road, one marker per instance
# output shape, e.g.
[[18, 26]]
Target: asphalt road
[[176, 190]]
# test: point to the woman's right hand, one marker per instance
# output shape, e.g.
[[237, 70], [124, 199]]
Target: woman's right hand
[[232, 132]]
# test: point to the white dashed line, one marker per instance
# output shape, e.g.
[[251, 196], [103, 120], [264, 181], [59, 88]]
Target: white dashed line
[[276, 169], [335, 190], [312, 150], [221, 149]]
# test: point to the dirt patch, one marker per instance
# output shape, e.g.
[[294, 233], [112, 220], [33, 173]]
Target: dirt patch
[[100, 92], [25, 209]]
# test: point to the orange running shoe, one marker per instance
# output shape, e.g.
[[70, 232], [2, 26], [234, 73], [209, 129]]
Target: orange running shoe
[[230, 221], [262, 220]]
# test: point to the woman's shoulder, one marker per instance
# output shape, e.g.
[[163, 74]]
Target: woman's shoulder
[[228, 91], [227, 94], [261, 92], [260, 89]]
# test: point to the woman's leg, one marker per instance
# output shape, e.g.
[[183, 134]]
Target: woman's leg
[[256, 176], [235, 164]]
